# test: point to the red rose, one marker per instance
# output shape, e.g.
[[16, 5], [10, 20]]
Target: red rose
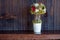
[[33, 8]]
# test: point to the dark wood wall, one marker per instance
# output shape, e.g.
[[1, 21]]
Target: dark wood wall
[[23, 20], [57, 15], [14, 7]]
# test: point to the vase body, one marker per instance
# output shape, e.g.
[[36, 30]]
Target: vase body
[[37, 24], [37, 28]]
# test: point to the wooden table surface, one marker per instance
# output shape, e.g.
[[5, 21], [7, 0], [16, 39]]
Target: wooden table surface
[[28, 36]]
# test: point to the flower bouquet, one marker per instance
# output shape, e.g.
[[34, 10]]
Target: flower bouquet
[[37, 9]]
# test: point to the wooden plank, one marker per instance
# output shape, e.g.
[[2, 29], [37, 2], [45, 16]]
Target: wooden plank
[[57, 15], [28, 36]]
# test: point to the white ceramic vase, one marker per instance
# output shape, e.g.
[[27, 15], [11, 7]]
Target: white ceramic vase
[[37, 28]]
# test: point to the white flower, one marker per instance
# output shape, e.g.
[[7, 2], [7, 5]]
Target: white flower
[[36, 4], [36, 10], [40, 8], [42, 4], [45, 10]]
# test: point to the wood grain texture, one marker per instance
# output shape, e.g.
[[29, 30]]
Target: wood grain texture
[[57, 15], [23, 21], [29, 36], [14, 7]]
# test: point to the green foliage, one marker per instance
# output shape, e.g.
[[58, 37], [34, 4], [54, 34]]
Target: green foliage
[[37, 21]]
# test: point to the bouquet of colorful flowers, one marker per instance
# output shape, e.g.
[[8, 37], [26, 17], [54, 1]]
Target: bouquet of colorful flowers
[[38, 8]]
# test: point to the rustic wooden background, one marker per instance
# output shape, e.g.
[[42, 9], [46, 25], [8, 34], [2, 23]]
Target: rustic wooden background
[[20, 8]]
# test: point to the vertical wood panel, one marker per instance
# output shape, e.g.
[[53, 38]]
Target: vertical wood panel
[[29, 16], [57, 15], [0, 7], [48, 21], [50, 16]]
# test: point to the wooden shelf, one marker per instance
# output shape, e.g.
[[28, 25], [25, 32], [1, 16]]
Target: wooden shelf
[[28, 36], [7, 17]]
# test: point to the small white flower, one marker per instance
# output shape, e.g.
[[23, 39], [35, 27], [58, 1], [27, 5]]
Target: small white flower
[[36, 4], [40, 8], [42, 4], [45, 10], [36, 10]]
